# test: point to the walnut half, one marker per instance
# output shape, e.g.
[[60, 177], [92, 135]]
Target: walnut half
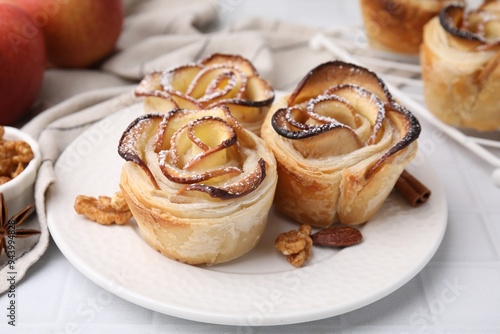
[[104, 210], [295, 244]]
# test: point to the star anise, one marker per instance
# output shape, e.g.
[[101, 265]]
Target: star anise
[[8, 227]]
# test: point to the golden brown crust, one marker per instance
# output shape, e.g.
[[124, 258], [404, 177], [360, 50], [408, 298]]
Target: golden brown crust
[[396, 25], [461, 68], [195, 240], [330, 185]]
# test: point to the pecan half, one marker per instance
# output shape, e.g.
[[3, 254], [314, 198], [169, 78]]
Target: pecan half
[[337, 236]]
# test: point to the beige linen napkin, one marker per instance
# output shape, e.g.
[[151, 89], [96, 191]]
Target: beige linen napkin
[[157, 34]]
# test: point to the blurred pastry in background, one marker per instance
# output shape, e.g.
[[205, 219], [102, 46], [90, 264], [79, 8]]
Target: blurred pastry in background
[[396, 25], [460, 59]]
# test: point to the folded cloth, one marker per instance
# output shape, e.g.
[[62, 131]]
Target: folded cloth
[[157, 35]]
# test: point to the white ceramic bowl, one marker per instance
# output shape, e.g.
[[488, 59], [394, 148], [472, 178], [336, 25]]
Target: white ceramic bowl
[[18, 192]]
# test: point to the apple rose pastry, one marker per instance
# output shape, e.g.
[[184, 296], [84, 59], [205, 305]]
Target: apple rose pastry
[[397, 25], [460, 60], [217, 80], [198, 184], [341, 143]]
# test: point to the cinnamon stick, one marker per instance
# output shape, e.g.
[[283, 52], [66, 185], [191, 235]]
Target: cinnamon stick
[[412, 189]]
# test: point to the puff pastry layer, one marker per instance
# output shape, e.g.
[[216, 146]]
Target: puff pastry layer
[[198, 184], [341, 142]]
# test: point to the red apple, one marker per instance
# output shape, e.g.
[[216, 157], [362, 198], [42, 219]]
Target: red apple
[[78, 33], [22, 63]]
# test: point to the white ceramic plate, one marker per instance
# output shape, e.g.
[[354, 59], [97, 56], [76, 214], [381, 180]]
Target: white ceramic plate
[[260, 288]]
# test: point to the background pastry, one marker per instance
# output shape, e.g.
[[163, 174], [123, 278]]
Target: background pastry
[[396, 25], [198, 184], [217, 80], [341, 142], [460, 60]]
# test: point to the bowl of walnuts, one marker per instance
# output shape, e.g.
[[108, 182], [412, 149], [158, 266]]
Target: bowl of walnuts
[[20, 158]]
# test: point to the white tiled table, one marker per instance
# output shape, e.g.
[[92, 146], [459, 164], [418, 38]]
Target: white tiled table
[[457, 292]]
